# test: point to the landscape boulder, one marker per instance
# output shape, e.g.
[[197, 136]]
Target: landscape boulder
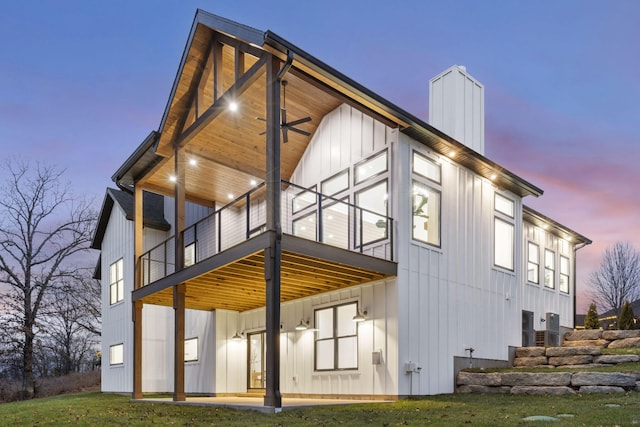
[[573, 351], [618, 335], [625, 343], [536, 379], [530, 361], [530, 351], [614, 359], [589, 389], [581, 359], [488, 379], [603, 378], [586, 343], [582, 335]]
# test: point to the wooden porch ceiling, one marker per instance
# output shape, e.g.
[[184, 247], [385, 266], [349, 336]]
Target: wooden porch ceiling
[[240, 285], [229, 149]]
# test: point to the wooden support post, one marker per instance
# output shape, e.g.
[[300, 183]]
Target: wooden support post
[[137, 349], [178, 368], [273, 254], [179, 200], [138, 243]]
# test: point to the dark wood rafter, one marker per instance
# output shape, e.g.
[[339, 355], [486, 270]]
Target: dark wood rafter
[[136, 316], [178, 342], [220, 104]]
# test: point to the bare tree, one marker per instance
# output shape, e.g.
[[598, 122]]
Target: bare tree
[[42, 227], [73, 330], [617, 279]]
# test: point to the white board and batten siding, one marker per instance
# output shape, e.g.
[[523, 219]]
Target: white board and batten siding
[[538, 298], [297, 369], [452, 297], [157, 323]]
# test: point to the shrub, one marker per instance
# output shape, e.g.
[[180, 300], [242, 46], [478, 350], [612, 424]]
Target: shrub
[[626, 320], [591, 319]]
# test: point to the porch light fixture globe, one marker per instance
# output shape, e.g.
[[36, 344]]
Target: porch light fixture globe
[[302, 326], [360, 316]]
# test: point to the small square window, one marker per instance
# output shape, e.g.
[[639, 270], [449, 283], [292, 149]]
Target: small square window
[[191, 350], [116, 354]]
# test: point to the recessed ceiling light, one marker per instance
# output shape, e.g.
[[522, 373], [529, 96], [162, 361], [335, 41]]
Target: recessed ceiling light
[[493, 176], [230, 196], [452, 154], [253, 182], [233, 106], [173, 178], [193, 162]]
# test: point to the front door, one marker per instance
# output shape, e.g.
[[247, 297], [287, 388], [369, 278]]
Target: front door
[[256, 359]]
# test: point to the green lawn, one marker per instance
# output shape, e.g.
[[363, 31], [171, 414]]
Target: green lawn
[[96, 409]]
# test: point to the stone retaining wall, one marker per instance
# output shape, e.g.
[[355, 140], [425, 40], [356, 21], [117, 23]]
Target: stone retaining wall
[[548, 383], [587, 356], [602, 339]]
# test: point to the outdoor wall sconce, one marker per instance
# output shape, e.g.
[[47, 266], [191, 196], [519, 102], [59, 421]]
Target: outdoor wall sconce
[[360, 316], [303, 325], [237, 336]]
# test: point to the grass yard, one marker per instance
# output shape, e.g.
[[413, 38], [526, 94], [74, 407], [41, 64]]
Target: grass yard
[[97, 409]]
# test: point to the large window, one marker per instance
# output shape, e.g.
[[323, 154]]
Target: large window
[[191, 350], [564, 274], [336, 344], [426, 214], [116, 281], [503, 232], [305, 226], [371, 223], [533, 263], [425, 199], [116, 354], [549, 269], [335, 220]]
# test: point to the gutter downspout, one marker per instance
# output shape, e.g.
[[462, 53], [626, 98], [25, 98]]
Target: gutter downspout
[[576, 248]]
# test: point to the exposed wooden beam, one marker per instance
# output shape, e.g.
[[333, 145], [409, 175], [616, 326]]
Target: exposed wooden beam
[[220, 104]]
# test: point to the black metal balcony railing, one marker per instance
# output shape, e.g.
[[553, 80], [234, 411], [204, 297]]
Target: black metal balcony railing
[[305, 213]]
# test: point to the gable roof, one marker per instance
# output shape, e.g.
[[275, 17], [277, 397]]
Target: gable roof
[[153, 215], [309, 70]]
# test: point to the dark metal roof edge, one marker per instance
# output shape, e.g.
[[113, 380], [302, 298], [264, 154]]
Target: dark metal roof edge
[[531, 215], [147, 144], [103, 220], [419, 125]]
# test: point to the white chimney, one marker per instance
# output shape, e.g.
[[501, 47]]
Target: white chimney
[[456, 106]]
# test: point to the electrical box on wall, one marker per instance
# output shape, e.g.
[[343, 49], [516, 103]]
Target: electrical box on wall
[[376, 357], [410, 367]]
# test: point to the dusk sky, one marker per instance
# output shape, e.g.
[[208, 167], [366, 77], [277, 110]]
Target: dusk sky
[[82, 83]]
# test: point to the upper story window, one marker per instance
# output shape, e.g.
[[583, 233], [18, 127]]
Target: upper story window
[[336, 184], [116, 281], [504, 205], [336, 343], [425, 199], [371, 222], [504, 232], [191, 350], [116, 354], [190, 254], [549, 269], [533, 263], [304, 199], [371, 167], [564, 274]]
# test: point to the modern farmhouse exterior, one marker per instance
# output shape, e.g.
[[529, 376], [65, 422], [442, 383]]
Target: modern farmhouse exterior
[[286, 231]]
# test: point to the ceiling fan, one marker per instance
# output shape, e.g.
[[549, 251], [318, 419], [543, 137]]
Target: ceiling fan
[[288, 126]]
